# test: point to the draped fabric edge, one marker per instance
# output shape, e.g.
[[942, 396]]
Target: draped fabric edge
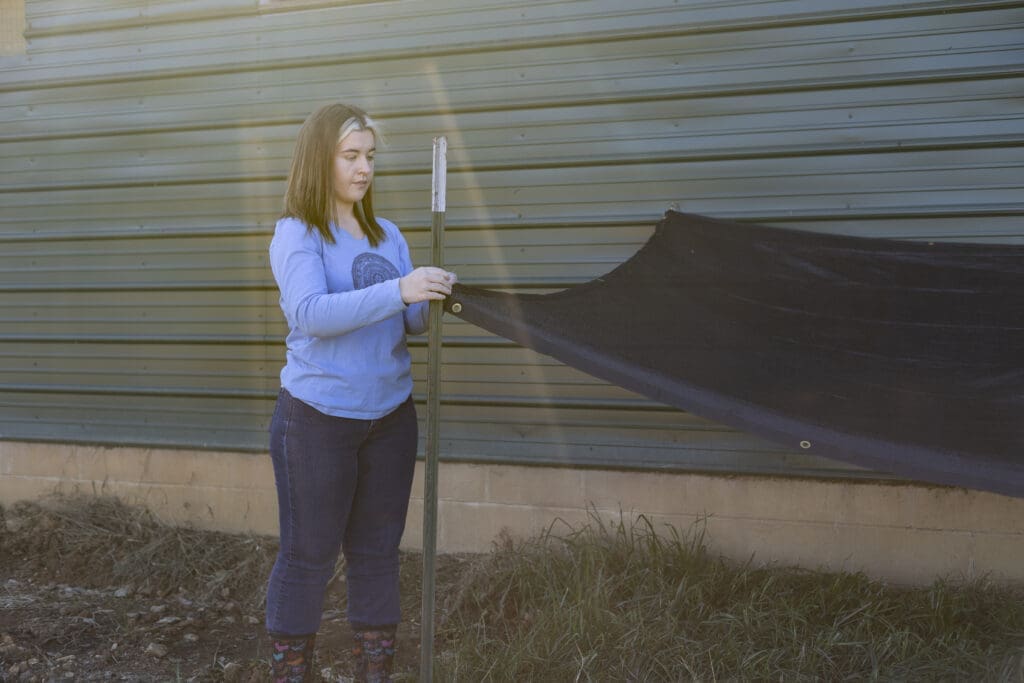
[[912, 461]]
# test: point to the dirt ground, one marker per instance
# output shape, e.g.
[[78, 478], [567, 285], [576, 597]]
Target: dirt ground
[[66, 615], [62, 632]]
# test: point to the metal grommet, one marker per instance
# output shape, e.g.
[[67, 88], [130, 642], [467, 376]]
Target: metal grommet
[[805, 444], [456, 307]]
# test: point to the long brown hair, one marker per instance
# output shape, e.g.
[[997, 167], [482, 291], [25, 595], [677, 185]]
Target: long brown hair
[[310, 193]]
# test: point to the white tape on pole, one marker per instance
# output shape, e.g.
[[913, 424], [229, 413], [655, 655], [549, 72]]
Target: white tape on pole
[[440, 175]]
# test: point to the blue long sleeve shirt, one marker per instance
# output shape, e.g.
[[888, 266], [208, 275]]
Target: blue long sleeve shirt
[[347, 322]]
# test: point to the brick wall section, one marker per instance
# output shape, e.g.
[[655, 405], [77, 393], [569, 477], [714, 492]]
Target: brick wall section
[[904, 533]]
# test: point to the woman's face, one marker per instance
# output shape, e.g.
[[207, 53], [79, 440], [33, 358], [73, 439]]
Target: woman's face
[[353, 166]]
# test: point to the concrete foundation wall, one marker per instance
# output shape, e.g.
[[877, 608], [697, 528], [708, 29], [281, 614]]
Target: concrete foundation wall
[[903, 533]]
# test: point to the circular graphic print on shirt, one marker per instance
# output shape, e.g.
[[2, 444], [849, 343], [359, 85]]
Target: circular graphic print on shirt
[[370, 269]]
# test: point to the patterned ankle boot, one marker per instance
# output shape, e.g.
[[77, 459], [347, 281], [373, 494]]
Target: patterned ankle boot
[[374, 652], [291, 658]]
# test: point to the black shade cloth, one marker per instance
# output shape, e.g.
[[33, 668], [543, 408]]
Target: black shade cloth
[[902, 357]]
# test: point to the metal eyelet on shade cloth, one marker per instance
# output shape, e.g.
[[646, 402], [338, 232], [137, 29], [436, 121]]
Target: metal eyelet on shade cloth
[[456, 307], [805, 444]]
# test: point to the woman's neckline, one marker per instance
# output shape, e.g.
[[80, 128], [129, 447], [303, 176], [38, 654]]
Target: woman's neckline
[[338, 229]]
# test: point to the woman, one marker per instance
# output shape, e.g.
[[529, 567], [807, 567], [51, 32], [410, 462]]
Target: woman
[[343, 435]]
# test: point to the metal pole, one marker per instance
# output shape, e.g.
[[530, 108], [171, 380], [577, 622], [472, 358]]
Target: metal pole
[[439, 187]]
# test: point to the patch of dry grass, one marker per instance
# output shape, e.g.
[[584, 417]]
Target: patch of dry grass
[[600, 602], [100, 541], [620, 602]]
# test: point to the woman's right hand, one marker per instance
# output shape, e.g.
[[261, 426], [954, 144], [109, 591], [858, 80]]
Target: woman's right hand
[[426, 283]]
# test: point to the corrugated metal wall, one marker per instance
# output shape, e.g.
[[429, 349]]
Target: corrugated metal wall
[[144, 144]]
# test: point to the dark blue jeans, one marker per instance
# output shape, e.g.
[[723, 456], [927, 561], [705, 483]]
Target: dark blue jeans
[[341, 483]]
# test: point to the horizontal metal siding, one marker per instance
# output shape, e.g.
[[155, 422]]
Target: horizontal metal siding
[[143, 148]]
